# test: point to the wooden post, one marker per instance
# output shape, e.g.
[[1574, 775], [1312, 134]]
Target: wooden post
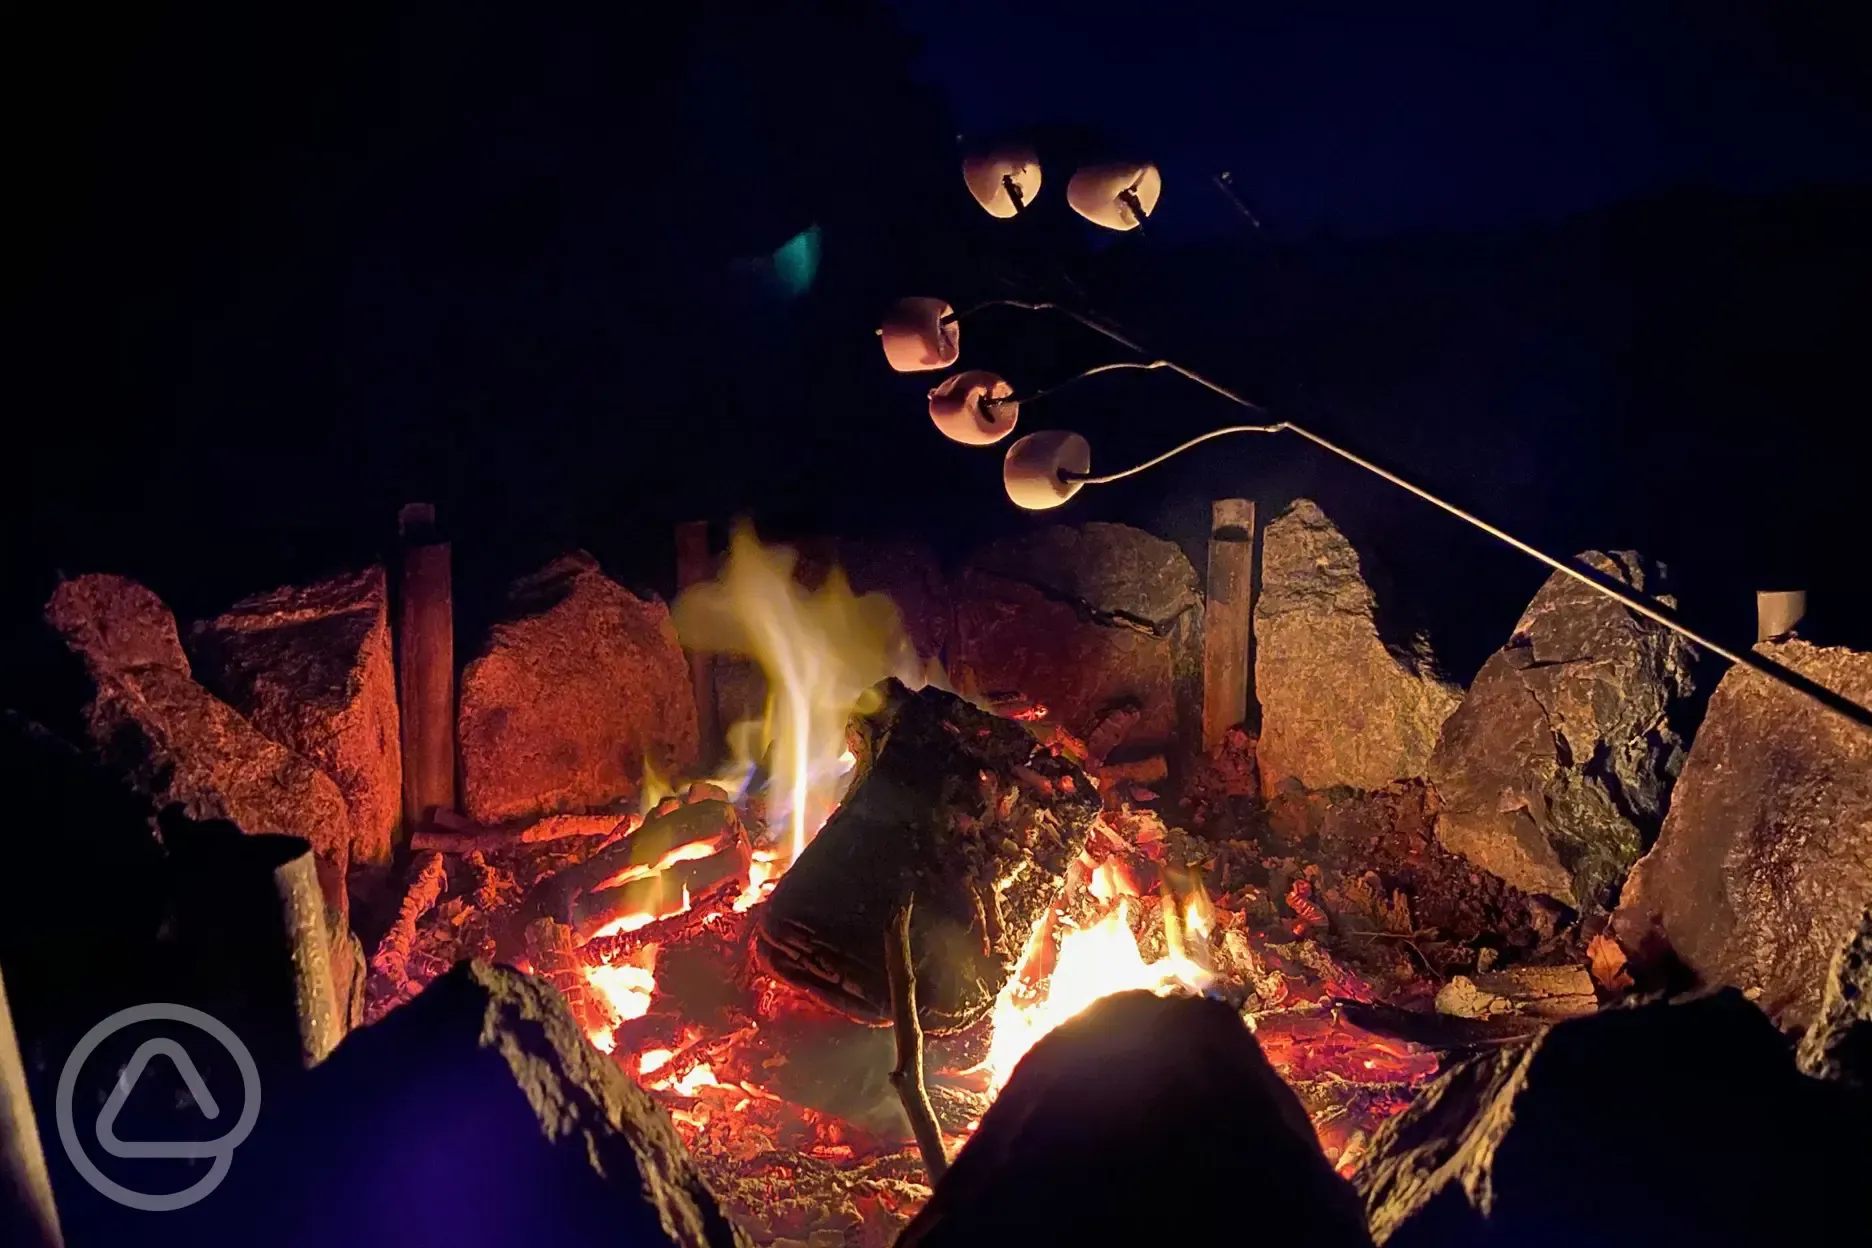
[[426, 669], [27, 1215], [694, 566], [1778, 611], [1228, 619]]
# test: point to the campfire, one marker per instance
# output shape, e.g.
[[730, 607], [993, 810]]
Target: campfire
[[725, 942], [845, 867]]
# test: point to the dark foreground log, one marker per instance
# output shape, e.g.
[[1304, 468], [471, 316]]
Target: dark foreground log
[[1681, 1123], [964, 810], [474, 1115], [1145, 1120]]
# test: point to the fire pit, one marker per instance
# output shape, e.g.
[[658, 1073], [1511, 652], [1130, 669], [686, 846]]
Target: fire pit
[[725, 941], [817, 868]]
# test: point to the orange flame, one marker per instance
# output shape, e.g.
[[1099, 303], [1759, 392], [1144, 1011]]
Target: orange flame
[[1092, 963], [822, 651]]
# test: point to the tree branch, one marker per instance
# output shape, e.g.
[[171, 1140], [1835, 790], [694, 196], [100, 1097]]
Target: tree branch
[[907, 1076]]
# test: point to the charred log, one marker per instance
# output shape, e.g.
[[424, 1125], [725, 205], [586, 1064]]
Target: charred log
[[1174, 1100], [661, 894], [686, 833], [965, 810], [391, 960]]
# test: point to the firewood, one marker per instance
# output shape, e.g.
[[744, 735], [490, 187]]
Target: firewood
[[698, 829], [1111, 730], [553, 951], [1137, 771], [391, 960], [662, 893], [964, 810]]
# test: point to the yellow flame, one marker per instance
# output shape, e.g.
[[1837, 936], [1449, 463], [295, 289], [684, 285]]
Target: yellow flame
[[822, 652], [626, 986], [652, 789], [1093, 963]]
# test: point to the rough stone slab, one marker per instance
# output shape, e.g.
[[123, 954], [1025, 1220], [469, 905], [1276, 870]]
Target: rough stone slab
[[476, 1114], [1839, 1044], [177, 741], [311, 667], [1081, 620], [1666, 1123], [582, 687], [1763, 869], [1556, 771], [1340, 705], [1144, 1120]]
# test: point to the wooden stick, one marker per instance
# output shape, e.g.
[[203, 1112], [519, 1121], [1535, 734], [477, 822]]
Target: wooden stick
[[693, 566], [1228, 619], [907, 1075], [426, 668], [28, 1216]]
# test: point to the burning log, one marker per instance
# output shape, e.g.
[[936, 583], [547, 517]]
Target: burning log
[[670, 891], [1137, 771], [554, 955], [907, 1075], [392, 957], [960, 808], [1171, 1097], [687, 834]]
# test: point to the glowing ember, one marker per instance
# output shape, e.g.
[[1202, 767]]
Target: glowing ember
[[644, 918], [763, 874], [625, 988], [697, 1077]]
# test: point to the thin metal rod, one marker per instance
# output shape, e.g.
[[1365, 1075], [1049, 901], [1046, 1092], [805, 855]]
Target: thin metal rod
[[1096, 326], [1774, 671], [1198, 440], [1754, 662]]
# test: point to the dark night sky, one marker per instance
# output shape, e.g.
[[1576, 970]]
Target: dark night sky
[[284, 270], [1374, 118]]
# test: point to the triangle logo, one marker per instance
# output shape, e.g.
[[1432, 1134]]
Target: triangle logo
[[133, 1071]]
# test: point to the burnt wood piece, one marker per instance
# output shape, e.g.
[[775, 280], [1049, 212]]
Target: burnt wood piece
[[963, 809], [692, 882], [552, 950], [428, 875], [1171, 1104], [708, 824]]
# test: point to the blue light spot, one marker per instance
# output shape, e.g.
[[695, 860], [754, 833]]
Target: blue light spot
[[796, 262]]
